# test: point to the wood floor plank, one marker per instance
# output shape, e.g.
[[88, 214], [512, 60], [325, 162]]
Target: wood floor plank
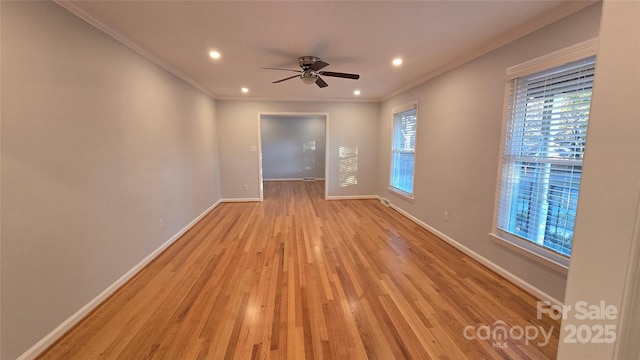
[[299, 277]]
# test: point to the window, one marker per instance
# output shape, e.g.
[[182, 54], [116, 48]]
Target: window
[[545, 135], [403, 148]]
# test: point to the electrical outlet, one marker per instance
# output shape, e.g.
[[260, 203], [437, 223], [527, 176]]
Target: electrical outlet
[[246, 188], [445, 215], [161, 223]]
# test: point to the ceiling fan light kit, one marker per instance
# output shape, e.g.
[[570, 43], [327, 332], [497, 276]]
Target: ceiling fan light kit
[[311, 70], [308, 78]]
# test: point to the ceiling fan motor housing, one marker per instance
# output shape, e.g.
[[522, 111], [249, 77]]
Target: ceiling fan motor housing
[[306, 61]]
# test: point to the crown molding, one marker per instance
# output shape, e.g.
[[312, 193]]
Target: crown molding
[[246, 98], [72, 8], [503, 39]]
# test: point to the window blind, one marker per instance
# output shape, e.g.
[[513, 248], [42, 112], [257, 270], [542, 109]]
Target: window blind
[[403, 151], [544, 144]]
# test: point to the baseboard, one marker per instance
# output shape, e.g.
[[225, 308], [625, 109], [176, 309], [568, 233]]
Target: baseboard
[[66, 325], [353, 197], [291, 179], [232, 200], [283, 179], [532, 290]]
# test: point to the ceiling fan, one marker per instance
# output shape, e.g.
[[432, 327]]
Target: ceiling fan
[[310, 73]]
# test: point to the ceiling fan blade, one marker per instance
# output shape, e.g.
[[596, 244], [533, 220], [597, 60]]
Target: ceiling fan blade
[[318, 65], [340, 75], [269, 68], [285, 79], [321, 82]]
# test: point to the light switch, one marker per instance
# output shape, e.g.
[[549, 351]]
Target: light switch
[[254, 148]]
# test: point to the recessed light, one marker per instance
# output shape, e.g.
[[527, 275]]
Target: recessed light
[[214, 54], [357, 92], [245, 90], [397, 61]]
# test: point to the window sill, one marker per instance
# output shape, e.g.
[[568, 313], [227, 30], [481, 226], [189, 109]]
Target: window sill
[[401, 194], [549, 259]]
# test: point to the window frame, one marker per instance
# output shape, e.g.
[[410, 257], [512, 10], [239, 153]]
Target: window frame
[[561, 57], [397, 191]]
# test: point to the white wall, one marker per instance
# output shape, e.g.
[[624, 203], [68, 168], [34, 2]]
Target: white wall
[[459, 124], [352, 125], [286, 151], [98, 144], [610, 189]]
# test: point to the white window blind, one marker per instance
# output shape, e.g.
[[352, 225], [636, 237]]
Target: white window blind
[[545, 137], [403, 150]]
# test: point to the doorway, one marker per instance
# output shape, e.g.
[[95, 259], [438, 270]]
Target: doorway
[[292, 147]]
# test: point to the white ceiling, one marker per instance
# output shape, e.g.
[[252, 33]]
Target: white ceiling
[[352, 36]]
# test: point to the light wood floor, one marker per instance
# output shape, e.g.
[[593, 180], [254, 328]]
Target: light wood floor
[[298, 277]]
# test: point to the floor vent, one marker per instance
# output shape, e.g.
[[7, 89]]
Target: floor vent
[[309, 179], [385, 202]]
